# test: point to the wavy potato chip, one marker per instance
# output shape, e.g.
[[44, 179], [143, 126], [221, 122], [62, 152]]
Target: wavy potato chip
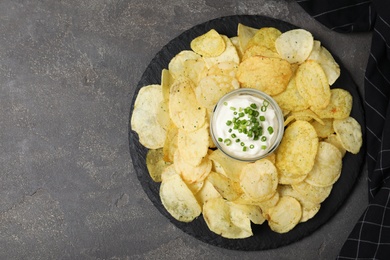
[[313, 85], [259, 50], [285, 215], [349, 132], [210, 44], [290, 99], [144, 119], [295, 45], [339, 107], [270, 75]]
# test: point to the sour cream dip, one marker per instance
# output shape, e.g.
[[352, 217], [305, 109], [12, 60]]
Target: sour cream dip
[[247, 124]]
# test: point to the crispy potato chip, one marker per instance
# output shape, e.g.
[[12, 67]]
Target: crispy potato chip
[[231, 167], [163, 117], [295, 45], [166, 82], [265, 37], [236, 43], [170, 144], [189, 172], [155, 163], [210, 44], [225, 220], [335, 140], [350, 134], [313, 85], [312, 193], [193, 146], [290, 99], [184, 109], [325, 129], [327, 166], [168, 172], [259, 180], [144, 118], [178, 199], [297, 151], [211, 88], [269, 203], [259, 50], [304, 115], [339, 107], [228, 188], [207, 192], [253, 212], [270, 75], [245, 33], [186, 64], [326, 60], [229, 54], [224, 68], [285, 215]]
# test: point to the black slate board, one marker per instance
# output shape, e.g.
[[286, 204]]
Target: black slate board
[[263, 237]]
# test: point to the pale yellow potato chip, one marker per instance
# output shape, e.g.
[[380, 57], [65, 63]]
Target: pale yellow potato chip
[[178, 199], [221, 220], [236, 43], [285, 215], [312, 193], [231, 167], [290, 99], [253, 212], [163, 117], [185, 111], [166, 82], [325, 59], [144, 117], [304, 115], [270, 75], [259, 50], [229, 189], [325, 129], [339, 107], [245, 33], [313, 85], [297, 151], [287, 190], [168, 172], [259, 179], [335, 140], [186, 64], [349, 132], [189, 172], [295, 45], [207, 192], [327, 166], [230, 54], [225, 68], [193, 146], [211, 88], [155, 163], [269, 203], [170, 143], [265, 37], [209, 44]]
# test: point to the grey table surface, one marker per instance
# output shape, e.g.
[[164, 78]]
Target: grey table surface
[[68, 72]]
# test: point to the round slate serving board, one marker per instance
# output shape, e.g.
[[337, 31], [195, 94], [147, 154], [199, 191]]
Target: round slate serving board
[[263, 237]]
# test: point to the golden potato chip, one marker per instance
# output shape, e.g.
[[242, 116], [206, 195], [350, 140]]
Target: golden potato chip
[[225, 220], [312, 193], [144, 117], [229, 54], [339, 107], [326, 60], [350, 134], [207, 192], [285, 215], [335, 140], [236, 43], [189, 172], [325, 129], [327, 166], [228, 188], [270, 75], [193, 146], [259, 179], [269, 203], [211, 88], [178, 199], [163, 117], [304, 115], [186, 64], [258, 50], [210, 44], [184, 109], [245, 33], [290, 99], [253, 212], [294, 45], [297, 151], [265, 37], [166, 82], [155, 163], [170, 144], [224, 68], [313, 85], [168, 172], [231, 167]]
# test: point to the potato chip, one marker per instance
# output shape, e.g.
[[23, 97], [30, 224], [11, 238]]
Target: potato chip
[[245, 33], [231, 167], [168, 172], [326, 60], [224, 68], [178, 199], [210, 44], [189, 172], [186, 64], [166, 82], [259, 180], [325, 129], [297, 151], [236, 43], [309, 209], [155, 163], [270, 75], [265, 37], [258, 50], [144, 118], [314, 194], [269, 203], [313, 85], [350, 134], [290, 99], [304, 115], [170, 144], [193, 146], [184, 109], [327, 166], [207, 192], [228, 188], [294, 45], [163, 117], [335, 140], [229, 54], [339, 107], [253, 212], [225, 220], [285, 215], [211, 88]]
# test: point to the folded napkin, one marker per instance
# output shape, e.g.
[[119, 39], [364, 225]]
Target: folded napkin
[[370, 238]]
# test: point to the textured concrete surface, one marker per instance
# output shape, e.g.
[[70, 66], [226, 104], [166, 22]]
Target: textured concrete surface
[[68, 71]]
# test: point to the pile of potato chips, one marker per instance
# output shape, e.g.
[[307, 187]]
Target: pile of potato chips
[[283, 189]]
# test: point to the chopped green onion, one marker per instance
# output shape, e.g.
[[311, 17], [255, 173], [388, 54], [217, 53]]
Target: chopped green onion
[[253, 105], [229, 122], [263, 147], [244, 148], [242, 143], [233, 135], [262, 118], [227, 141], [233, 108], [263, 138], [220, 139], [251, 146], [270, 130], [263, 108], [225, 103]]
